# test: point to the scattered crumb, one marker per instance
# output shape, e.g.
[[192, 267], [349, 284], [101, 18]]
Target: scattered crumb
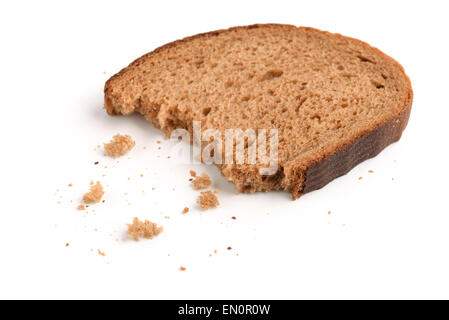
[[67, 244], [168, 157], [70, 185], [360, 178], [129, 178], [182, 268], [119, 145], [81, 207], [207, 200], [158, 142], [91, 182], [142, 229], [101, 253], [192, 173], [96, 162], [95, 194], [141, 175], [233, 218], [229, 248], [201, 182], [215, 251], [166, 217], [370, 171], [329, 212], [185, 210]]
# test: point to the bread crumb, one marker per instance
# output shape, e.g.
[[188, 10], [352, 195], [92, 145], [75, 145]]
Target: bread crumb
[[101, 253], [208, 200], [360, 178], [192, 173], [81, 207], [229, 248], [119, 145], [95, 194], [370, 171], [142, 229], [67, 244], [185, 210], [70, 185], [329, 212], [182, 268], [201, 182]]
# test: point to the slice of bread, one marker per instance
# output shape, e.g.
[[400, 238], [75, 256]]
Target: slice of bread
[[335, 101]]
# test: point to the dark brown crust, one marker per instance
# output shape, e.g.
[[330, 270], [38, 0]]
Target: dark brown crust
[[367, 146]]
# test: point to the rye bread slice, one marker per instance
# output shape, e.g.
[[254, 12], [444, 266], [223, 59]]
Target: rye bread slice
[[335, 101]]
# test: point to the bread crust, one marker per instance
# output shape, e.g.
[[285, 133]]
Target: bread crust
[[321, 171], [367, 146]]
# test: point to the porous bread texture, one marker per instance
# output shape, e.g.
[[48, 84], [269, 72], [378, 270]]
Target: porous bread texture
[[95, 194], [323, 92], [207, 200], [143, 229], [119, 145], [201, 182]]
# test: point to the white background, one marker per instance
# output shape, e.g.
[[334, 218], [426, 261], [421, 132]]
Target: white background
[[384, 238]]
